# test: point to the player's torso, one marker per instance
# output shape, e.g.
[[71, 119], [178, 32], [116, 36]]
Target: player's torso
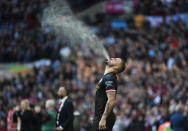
[[101, 96]]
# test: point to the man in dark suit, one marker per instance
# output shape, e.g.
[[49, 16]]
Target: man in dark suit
[[64, 120]]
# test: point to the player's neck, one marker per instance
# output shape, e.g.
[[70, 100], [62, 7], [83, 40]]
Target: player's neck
[[108, 70]]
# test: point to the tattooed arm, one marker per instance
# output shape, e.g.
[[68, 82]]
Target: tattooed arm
[[109, 106]]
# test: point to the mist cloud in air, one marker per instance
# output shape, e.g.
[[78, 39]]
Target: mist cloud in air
[[60, 18]]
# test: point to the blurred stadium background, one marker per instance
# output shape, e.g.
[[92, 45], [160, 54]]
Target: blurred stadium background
[[152, 34]]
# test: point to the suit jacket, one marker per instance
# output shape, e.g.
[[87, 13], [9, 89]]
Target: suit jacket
[[178, 122], [65, 116], [37, 123], [26, 120]]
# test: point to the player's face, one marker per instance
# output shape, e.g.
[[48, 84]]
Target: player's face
[[114, 62]]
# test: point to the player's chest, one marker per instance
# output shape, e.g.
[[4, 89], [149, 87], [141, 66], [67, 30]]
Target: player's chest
[[100, 85]]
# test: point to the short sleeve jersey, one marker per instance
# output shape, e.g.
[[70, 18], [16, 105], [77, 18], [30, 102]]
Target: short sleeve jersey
[[108, 83]]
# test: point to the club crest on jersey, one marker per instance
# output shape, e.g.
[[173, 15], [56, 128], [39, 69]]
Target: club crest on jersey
[[97, 87]]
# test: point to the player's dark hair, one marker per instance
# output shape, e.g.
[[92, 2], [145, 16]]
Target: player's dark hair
[[122, 66]]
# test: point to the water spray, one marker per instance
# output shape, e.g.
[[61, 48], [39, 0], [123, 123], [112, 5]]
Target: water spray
[[60, 18]]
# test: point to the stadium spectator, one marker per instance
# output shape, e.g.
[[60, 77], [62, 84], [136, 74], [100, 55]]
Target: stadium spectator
[[37, 118], [26, 116], [2, 126], [11, 123], [49, 118]]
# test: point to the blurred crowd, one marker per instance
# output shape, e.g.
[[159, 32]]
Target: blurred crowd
[[153, 87], [148, 7], [160, 7]]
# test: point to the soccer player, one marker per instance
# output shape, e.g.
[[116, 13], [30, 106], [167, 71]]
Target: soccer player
[[105, 98]]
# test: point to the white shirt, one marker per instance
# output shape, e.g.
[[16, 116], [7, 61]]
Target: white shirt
[[62, 101]]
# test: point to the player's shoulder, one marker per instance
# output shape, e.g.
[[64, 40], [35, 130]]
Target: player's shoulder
[[111, 76]]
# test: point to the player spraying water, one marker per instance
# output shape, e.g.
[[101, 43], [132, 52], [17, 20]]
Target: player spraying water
[[105, 98]]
